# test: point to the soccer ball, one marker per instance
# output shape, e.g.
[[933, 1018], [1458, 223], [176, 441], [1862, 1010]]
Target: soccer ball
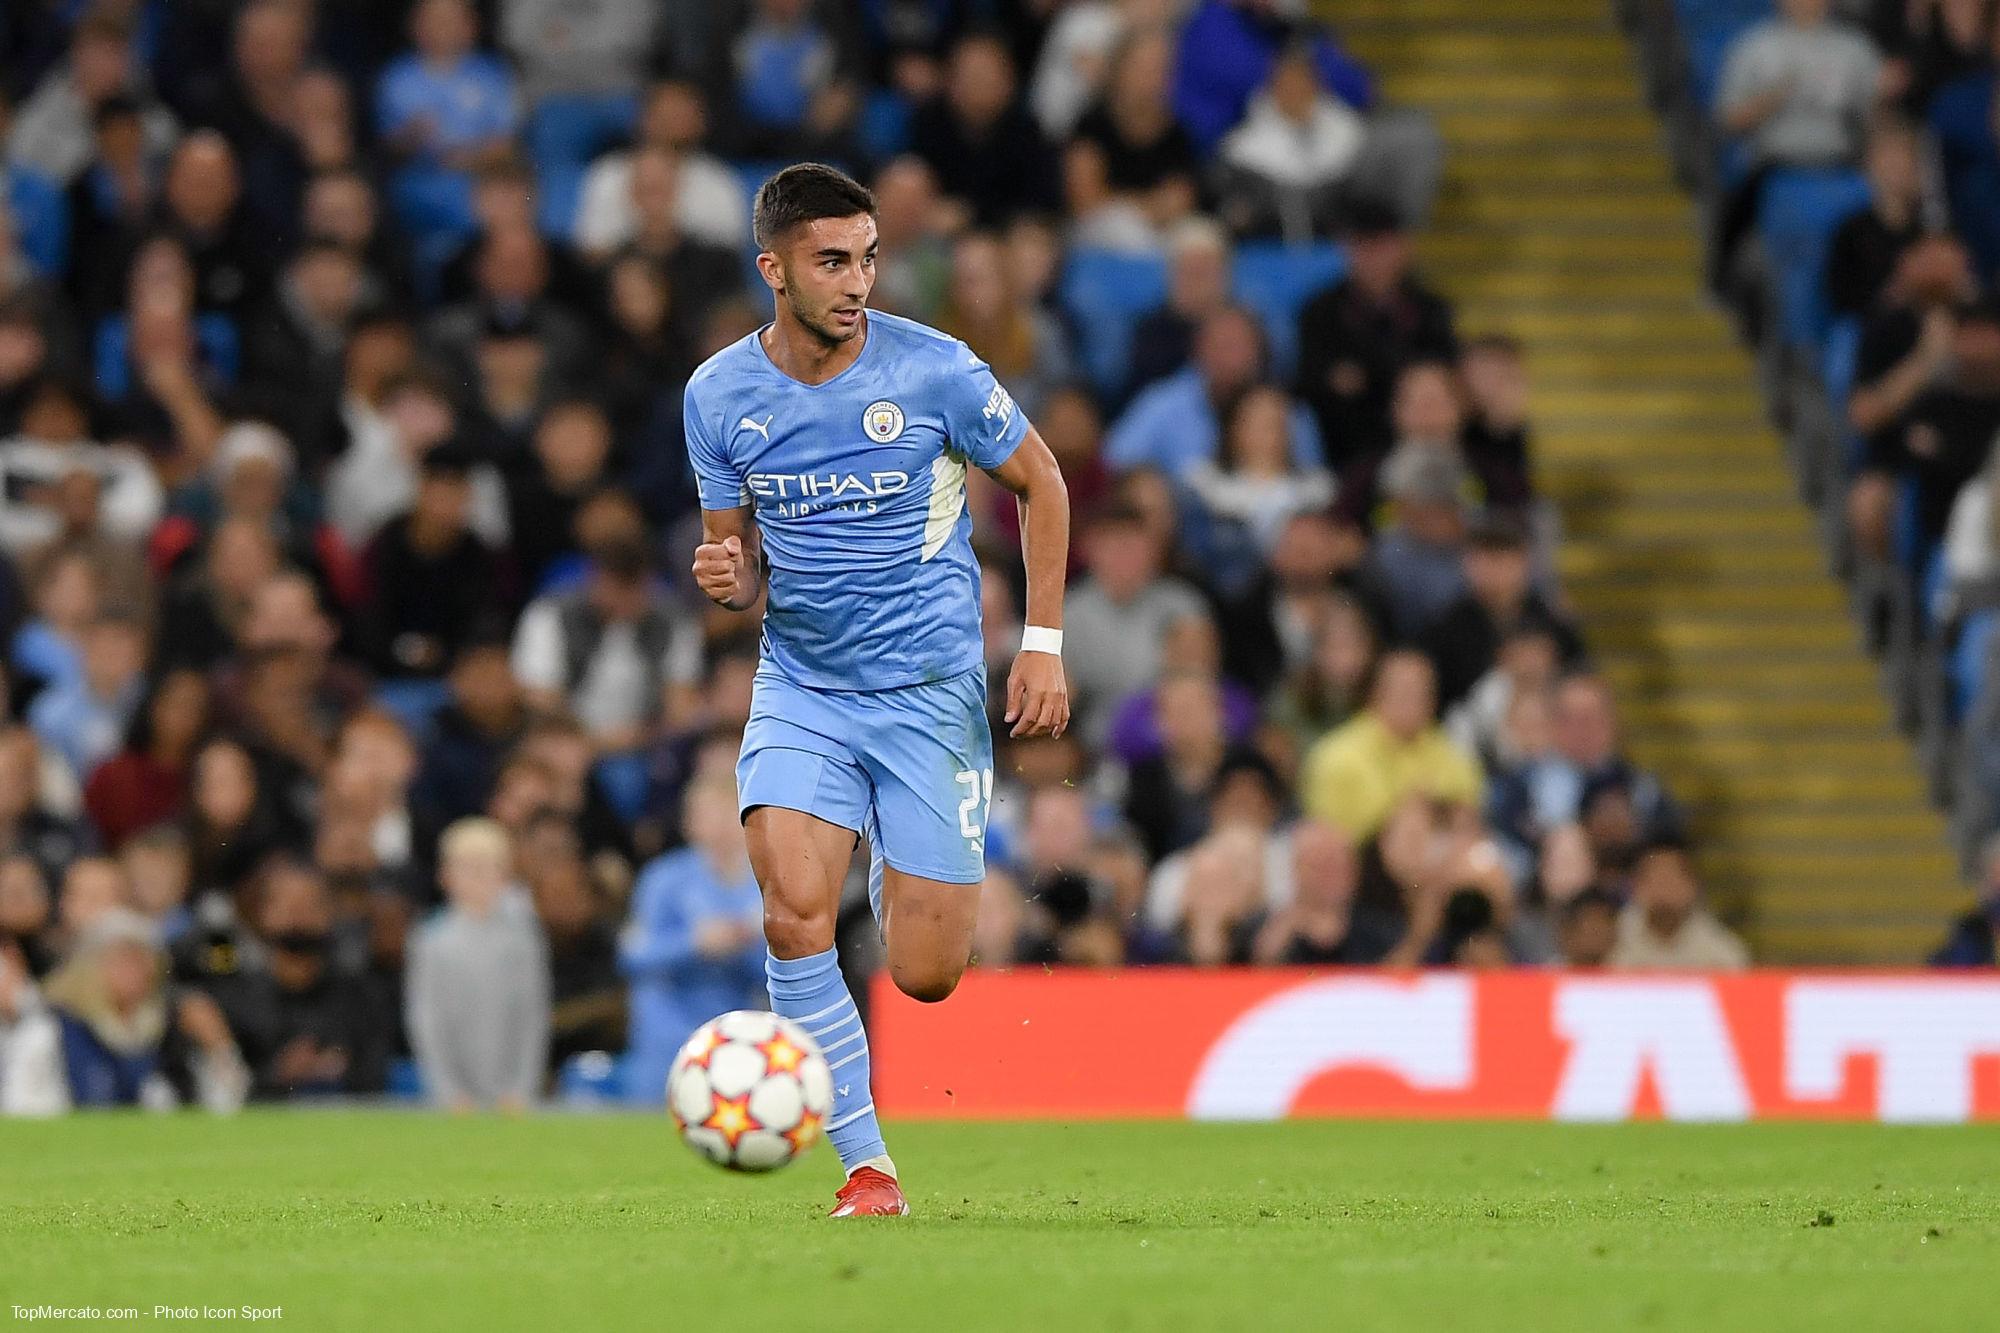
[[750, 1091]]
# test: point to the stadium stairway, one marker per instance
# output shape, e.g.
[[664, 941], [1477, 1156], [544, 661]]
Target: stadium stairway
[[1691, 561]]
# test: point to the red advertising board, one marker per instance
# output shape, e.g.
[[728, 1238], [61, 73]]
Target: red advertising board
[[1254, 1045]]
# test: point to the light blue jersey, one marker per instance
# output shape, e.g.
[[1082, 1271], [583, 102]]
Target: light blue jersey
[[858, 485]]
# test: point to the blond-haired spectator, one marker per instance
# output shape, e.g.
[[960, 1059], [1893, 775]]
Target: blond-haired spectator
[[477, 985]]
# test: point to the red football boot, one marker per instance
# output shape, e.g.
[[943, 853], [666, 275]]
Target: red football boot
[[870, 1193]]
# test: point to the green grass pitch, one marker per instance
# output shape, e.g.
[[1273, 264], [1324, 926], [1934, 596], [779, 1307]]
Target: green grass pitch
[[386, 1220]]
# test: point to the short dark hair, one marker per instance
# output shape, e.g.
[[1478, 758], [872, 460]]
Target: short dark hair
[[806, 192]]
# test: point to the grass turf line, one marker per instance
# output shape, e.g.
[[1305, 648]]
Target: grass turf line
[[387, 1220]]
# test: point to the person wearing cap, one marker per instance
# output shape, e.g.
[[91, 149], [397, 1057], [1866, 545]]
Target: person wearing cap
[[1357, 336], [1393, 749], [1418, 560], [107, 1031]]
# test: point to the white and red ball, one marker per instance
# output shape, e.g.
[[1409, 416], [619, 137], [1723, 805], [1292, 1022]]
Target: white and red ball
[[750, 1091]]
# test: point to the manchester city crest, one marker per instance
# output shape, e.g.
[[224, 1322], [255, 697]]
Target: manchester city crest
[[883, 421]]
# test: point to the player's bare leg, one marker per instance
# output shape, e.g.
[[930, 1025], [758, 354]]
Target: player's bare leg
[[800, 862], [927, 931]]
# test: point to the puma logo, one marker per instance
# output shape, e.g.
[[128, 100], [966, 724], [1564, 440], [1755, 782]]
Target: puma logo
[[762, 428]]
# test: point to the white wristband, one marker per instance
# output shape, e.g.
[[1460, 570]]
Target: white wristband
[[1041, 639]]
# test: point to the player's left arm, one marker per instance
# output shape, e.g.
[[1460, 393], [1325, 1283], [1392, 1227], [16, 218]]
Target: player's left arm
[[1037, 693]]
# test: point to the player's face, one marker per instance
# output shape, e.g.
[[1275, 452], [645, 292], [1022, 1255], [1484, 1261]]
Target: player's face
[[824, 275]]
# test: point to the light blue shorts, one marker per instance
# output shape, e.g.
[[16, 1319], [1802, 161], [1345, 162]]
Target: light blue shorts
[[910, 769]]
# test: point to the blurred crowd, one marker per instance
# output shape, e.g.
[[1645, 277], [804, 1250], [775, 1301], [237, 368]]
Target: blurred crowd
[[1861, 139], [362, 717]]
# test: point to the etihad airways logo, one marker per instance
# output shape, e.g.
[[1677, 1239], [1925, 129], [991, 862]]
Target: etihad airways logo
[[789, 494]]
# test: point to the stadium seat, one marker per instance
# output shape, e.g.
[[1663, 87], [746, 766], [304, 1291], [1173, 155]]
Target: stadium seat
[[1708, 28], [41, 220], [884, 127], [1275, 280], [413, 703], [1970, 160], [405, 1082], [1839, 353], [1966, 666], [622, 778], [1797, 214], [1105, 293]]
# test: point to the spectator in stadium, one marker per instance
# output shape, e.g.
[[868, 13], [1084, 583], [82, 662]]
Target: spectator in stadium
[[710, 204], [1357, 336], [1331, 685], [1172, 797], [476, 993], [445, 109], [296, 341], [254, 101], [51, 130], [233, 822], [1223, 904], [109, 1032], [913, 249], [39, 509], [157, 878], [1190, 645], [310, 1026], [1866, 247], [1130, 171], [1286, 167], [1198, 271], [83, 719], [1024, 344], [1941, 440], [376, 478], [1548, 791], [91, 887], [694, 945], [48, 648], [1253, 487], [1588, 933], [27, 824], [1500, 600], [1495, 437], [471, 734], [1417, 564], [1506, 718], [202, 208], [1971, 941], [616, 651], [987, 153], [1666, 925], [1393, 749], [432, 581], [1175, 423], [795, 90], [587, 994], [1796, 89], [701, 276], [581, 68], [27, 916], [1117, 618], [205, 604], [1322, 923]]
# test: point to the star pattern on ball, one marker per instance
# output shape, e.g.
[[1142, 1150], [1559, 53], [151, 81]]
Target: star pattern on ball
[[710, 1041], [730, 1117], [781, 1054], [804, 1134]]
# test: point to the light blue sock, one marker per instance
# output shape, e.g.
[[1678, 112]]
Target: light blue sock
[[810, 992]]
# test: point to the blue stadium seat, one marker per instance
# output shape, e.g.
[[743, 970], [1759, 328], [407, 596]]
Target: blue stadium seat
[[1966, 666], [884, 127], [413, 703], [1839, 353], [1105, 293], [1797, 214], [1275, 280], [1960, 120], [623, 780], [1708, 28], [405, 1082], [41, 220]]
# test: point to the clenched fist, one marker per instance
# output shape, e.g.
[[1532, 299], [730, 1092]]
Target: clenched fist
[[722, 572]]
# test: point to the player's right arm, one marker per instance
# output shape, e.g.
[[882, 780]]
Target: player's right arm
[[729, 563]]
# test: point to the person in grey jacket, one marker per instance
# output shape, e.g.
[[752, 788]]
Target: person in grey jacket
[[476, 991]]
